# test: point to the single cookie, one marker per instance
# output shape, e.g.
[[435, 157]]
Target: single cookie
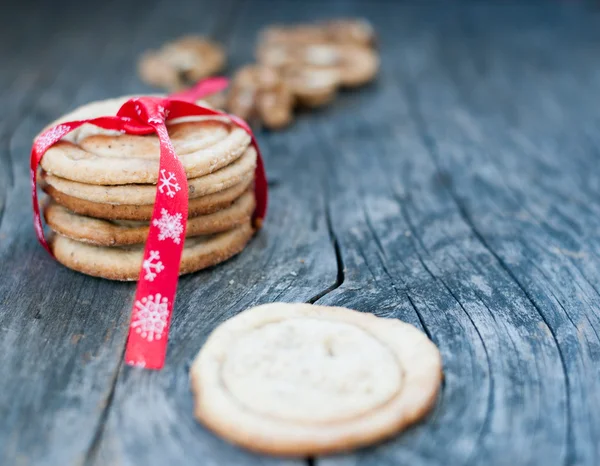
[[181, 63], [143, 194], [259, 93], [197, 206], [103, 108], [338, 31], [124, 263], [127, 232], [357, 31], [348, 65], [311, 86], [304, 380], [97, 156]]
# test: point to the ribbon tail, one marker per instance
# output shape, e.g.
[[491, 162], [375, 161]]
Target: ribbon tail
[[159, 272], [202, 89]]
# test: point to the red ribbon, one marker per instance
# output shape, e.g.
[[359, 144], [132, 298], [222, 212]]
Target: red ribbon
[[159, 274]]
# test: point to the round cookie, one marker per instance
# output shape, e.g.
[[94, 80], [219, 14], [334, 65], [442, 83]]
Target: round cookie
[[259, 93], [305, 380], [101, 108], [124, 263], [120, 233], [234, 173], [197, 206], [181, 63], [96, 156]]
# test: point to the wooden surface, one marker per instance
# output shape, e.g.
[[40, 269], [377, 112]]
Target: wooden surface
[[460, 192]]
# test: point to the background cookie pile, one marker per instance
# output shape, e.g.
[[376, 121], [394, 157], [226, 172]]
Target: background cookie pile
[[101, 187], [297, 66]]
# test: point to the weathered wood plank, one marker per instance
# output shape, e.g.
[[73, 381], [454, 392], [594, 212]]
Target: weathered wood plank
[[534, 353], [460, 193], [536, 204]]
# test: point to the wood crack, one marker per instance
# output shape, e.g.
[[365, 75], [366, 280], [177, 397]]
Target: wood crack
[[489, 398], [387, 272], [92, 450], [339, 279]]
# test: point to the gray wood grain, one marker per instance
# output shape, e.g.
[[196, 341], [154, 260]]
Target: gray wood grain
[[480, 238], [460, 193]]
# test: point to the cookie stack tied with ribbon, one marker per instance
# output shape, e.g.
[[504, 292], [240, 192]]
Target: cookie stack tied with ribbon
[[102, 186], [163, 188]]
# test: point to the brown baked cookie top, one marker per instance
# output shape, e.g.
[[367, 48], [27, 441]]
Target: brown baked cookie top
[[259, 93], [181, 63]]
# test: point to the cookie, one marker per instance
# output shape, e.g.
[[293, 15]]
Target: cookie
[[103, 108], [259, 93], [357, 31], [303, 380], [143, 194], [311, 86], [181, 63], [343, 31], [97, 156], [124, 263], [348, 65], [114, 159], [125, 232], [197, 206], [355, 65]]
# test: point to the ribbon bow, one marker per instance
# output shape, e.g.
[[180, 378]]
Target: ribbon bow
[[155, 294]]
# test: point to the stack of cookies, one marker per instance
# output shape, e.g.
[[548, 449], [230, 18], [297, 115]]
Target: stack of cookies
[[101, 187]]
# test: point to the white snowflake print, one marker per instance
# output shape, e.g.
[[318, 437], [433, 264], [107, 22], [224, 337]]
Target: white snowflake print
[[47, 139], [152, 266], [32, 178], [163, 113], [168, 182], [150, 317], [137, 363], [37, 223], [170, 226]]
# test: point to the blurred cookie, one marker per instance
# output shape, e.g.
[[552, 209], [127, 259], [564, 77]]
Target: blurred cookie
[[311, 86], [344, 31], [260, 93], [315, 60], [347, 65], [181, 63], [303, 380], [125, 232]]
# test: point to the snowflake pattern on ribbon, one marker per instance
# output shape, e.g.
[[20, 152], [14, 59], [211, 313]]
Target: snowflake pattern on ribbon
[[152, 266], [47, 139], [37, 224], [168, 182], [169, 225], [151, 317]]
